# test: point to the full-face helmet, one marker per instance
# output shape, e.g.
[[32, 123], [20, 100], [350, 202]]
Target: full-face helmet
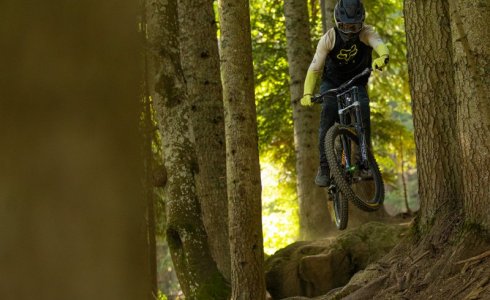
[[349, 18]]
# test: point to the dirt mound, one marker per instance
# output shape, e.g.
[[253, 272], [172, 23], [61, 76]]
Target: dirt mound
[[316, 267], [433, 268], [452, 264]]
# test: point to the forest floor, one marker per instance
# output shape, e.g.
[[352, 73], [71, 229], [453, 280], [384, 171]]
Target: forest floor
[[452, 264]]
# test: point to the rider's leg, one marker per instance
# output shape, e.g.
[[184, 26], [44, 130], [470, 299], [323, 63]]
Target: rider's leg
[[327, 119]]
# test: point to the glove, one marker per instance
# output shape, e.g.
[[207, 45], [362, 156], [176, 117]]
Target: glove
[[383, 59], [380, 62], [306, 100]]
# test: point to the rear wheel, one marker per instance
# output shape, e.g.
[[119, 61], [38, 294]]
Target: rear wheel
[[340, 208], [360, 184]]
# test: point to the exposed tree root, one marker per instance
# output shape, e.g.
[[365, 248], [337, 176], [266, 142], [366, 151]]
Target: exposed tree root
[[436, 267], [450, 262], [369, 290], [474, 258]]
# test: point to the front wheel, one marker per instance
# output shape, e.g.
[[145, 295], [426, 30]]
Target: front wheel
[[360, 184]]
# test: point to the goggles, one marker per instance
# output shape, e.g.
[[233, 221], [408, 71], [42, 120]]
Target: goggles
[[349, 27]]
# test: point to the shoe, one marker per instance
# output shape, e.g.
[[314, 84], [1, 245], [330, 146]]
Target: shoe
[[322, 178]]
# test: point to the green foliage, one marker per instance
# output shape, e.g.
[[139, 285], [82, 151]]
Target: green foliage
[[274, 113], [316, 30], [394, 200], [275, 124], [390, 105], [279, 206], [168, 282], [389, 90], [391, 119], [161, 296]]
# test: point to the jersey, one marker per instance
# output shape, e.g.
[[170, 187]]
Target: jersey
[[339, 60]]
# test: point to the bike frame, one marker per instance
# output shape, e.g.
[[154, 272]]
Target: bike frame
[[350, 108]]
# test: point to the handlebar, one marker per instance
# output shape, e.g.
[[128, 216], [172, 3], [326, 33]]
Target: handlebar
[[342, 88]]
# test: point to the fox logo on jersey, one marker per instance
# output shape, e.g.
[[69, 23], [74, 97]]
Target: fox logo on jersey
[[347, 54]]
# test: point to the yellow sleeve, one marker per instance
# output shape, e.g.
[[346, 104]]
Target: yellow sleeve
[[310, 82], [382, 50]]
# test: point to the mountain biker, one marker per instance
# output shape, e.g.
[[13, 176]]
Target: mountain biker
[[343, 52]]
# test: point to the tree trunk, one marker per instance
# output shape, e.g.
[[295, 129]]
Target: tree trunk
[[243, 170], [471, 62], [148, 130], [434, 107], [312, 200], [327, 7], [72, 217], [448, 65], [197, 272], [403, 179], [148, 134], [314, 12], [200, 62]]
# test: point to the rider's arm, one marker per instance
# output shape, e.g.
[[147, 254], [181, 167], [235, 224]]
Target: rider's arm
[[325, 45], [369, 37]]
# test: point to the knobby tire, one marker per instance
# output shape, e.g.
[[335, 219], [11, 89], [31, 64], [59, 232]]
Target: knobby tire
[[338, 172], [341, 210]]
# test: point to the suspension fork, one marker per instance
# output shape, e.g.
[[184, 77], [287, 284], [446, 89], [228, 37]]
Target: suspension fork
[[359, 126], [353, 107], [346, 145]]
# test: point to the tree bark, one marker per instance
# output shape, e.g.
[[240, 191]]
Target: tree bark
[[312, 200], [197, 272], [327, 7], [200, 62], [148, 134], [448, 66], [471, 63], [243, 170], [403, 179], [434, 107]]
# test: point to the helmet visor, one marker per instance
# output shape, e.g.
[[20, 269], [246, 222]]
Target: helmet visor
[[349, 27]]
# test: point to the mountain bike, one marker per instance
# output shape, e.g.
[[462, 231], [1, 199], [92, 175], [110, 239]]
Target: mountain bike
[[354, 172]]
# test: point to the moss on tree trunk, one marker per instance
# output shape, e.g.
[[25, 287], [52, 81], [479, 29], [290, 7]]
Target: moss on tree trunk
[[197, 272]]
